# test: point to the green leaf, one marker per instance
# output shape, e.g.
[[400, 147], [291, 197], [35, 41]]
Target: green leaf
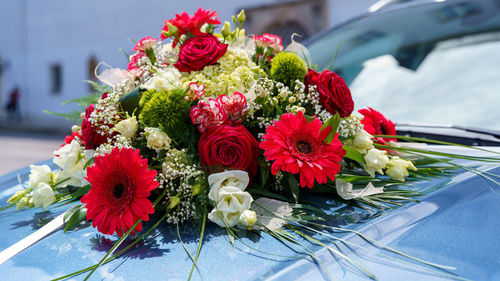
[[81, 191], [73, 116], [76, 215], [130, 101], [330, 66], [353, 154], [294, 186], [264, 174], [333, 122]]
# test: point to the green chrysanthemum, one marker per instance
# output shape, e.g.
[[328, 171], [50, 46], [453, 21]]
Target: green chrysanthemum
[[288, 67], [167, 110], [146, 96]]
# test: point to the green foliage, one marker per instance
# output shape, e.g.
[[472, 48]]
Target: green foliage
[[74, 217], [146, 96], [353, 154], [288, 67], [83, 102], [332, 122], [169, 111]]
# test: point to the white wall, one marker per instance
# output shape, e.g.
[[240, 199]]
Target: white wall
[[35, 34]]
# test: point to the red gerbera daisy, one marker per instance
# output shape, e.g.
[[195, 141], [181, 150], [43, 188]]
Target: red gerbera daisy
[[298, 147], [120, 185], [375, 123]]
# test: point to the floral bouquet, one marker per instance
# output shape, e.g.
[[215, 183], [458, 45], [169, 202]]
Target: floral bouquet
[[216, 125]]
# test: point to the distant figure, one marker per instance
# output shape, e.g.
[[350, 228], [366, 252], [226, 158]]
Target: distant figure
[[12, 106]]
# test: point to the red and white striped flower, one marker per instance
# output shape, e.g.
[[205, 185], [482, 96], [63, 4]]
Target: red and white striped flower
[[234, 105], [208, 114]]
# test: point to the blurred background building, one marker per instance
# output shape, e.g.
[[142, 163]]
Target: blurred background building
[[50, 47]]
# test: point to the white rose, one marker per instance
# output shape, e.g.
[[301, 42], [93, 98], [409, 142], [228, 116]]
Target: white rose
[[156, 139], [233, 178], [71, 161], [397, 168], [127, 127], [376, 160], [43, 196], [39, 174], [232, 202], [362, 142], [164, 80], [248, 218]]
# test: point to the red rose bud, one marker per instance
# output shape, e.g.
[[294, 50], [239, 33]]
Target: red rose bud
[[200, 51], [231, 147], [334, 94], [311, 79]]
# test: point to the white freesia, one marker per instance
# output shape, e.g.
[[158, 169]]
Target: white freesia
[[376, 160], [232, 203], [346, 191], [157, 139], [248, 218], [164, 80], [72, 162], [127, 127], [39, 174], [43, 196], [362, 142], [234, 178], [397, 168]]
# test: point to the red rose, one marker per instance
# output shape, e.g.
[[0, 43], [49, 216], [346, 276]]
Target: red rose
[[334, 94], [91, 139], [375, 123], [228, 147], [198, 52], [311, 78]]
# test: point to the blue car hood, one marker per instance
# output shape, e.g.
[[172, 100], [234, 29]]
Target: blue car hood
[[456, 224]]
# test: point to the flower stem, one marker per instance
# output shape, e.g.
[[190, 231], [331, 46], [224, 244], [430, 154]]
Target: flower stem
[[203, 223]]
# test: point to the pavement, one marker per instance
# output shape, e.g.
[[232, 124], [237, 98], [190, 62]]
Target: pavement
[[20, 148]]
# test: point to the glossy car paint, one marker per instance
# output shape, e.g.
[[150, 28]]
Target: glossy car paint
[[455, 224]]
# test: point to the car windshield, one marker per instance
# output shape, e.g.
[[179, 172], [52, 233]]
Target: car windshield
[[434, 63]]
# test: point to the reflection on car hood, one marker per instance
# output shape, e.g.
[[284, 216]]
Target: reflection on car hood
[[455, 224]]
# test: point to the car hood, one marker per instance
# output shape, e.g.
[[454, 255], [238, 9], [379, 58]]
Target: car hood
[[456, 224]]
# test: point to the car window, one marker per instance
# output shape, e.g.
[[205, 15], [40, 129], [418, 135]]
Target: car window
[[457, 83], [435, 63]]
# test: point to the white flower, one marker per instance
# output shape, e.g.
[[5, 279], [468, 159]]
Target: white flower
[[43, 196], [164, 80], [248, 218], [72, 162], [231, 204], [156, 138], [362, 142], [397, 168], [127, 127], [39, 174], [234, 178], [376, 160]]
